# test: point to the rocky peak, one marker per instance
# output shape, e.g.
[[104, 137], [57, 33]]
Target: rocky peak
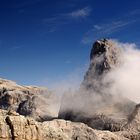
[[93, 104], [103, 57], [99, 47]]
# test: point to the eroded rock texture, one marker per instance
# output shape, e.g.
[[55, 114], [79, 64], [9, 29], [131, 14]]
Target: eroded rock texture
[[30, 101], [17, 127]]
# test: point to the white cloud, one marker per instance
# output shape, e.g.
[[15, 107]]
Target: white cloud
[[97, 27], [125, 79], [55, 22], [80, 13], [103, 30]]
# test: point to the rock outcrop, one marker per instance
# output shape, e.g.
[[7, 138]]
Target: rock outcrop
[[103, 57], [27, 100], [133, 123], [16, 127]]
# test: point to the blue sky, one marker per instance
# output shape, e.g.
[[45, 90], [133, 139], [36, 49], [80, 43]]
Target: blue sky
[[44, 41]]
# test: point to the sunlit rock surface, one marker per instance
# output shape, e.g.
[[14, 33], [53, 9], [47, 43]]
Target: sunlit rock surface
[[36, 102], [16, 127]]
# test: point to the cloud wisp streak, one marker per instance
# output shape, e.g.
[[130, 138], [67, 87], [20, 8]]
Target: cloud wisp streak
[[57, 21], [80, 13], [110, 27]]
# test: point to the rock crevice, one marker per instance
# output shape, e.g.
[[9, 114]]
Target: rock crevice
[[10, 127]]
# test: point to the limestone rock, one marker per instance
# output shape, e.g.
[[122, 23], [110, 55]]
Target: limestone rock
[[30, 101], [133, 123], [20, 128], [131, 129], [103, 57], [77, 131]]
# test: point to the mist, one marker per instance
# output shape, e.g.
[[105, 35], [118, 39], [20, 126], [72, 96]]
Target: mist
[[125, 78], [118, 86]]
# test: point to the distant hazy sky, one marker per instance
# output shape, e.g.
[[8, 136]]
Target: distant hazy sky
[[42, 41]]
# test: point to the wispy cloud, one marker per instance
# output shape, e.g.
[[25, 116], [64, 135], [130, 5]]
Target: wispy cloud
[[110, 27], [104, 30], [80, 13], [55, 22], [98, 27]]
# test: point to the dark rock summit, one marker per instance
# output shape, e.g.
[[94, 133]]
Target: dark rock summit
[[104, 56]]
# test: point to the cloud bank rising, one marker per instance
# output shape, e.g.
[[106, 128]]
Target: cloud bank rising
[[125, 79], [122, 81]]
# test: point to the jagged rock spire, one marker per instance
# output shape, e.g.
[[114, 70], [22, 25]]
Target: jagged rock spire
[[103, 57]]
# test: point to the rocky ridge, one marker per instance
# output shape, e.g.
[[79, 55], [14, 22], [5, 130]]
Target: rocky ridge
[[27, 100]]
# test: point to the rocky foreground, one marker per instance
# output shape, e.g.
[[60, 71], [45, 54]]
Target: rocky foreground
[[36, 102], [91, 113], [16, 127]]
